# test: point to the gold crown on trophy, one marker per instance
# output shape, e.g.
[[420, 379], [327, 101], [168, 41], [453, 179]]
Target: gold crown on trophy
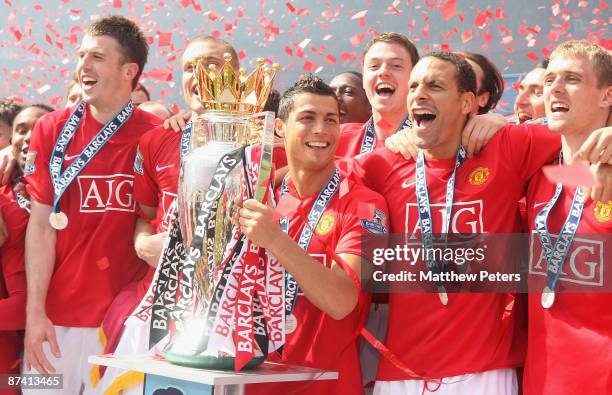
[[224, 90]]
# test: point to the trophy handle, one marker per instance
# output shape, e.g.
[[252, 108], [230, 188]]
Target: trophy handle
[[267, 148]]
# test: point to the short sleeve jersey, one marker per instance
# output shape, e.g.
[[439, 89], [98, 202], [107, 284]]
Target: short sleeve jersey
[[12, 285], [441, 341], [351, 136], [94, 254], [320, 341], [569, 345]]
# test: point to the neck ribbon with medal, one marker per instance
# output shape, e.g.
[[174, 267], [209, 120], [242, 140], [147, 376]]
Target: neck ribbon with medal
[[369, 137], [425, 220], [316, 212], [556, 254], [62, 180]]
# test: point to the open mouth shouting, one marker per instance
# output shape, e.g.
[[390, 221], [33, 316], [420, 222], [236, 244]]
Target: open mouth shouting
[[385, 90], [423, 118], [88, 82]]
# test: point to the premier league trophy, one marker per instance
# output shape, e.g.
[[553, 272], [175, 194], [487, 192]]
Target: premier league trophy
[[220, 298]]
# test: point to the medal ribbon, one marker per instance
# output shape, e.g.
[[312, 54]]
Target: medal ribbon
[[556, 254], [369, 137], [61, 180], [315, 214], [186, 139], [425, 220]]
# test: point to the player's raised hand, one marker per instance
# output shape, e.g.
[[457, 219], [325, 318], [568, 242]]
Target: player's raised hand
[[7, 162], [597, 147], [257, 223], [479, 130], [403, 142], [178, 121]]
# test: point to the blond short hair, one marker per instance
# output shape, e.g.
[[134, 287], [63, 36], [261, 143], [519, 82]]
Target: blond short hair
[[600, 58]]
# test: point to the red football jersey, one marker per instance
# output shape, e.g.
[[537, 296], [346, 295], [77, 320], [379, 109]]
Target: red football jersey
[[351, 136], [12, 286], [94, 254], [472, 333], [320, 341], [570, 344]]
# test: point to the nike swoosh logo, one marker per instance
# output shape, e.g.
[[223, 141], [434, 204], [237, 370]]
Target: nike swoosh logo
[[539, 204], [406, 184], [160, 168], [70, 157]]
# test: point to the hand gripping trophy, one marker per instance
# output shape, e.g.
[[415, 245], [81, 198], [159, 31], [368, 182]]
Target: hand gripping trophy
[[220, 298]]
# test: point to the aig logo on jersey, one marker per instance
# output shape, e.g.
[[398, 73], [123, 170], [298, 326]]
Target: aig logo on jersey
[[106, 193], [584, 264], [466, 218]]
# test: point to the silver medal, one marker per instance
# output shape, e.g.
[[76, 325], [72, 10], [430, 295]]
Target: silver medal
[[548, 298], [58, 220], [290, 324]]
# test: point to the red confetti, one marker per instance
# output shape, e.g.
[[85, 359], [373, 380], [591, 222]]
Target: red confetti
[[466, 36], [309, 66], [331, 59], [533, 56], [117, 3], [288, 51], [242, 54], [213, 16], [348, 56], [447, 9], [290, 7], [164, 39]]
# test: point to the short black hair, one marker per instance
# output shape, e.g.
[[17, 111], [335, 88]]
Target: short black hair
[[273, 101], [464, 74], [355, 73], [42, 106], [309, 84], [492, 80], [132, 42], [9, 110]]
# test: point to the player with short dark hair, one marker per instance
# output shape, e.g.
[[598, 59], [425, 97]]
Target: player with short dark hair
[[79, 246], [320, 249], [483, 191]]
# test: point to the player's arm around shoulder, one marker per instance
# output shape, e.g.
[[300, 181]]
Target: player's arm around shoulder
[[331, 290]]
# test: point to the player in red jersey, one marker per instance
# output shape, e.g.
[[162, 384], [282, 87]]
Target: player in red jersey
[[20, 142], [529, 103], [354, 104], [79, 241], [465, 343], [328, 313], [387, 61], [570, 339], [12, 289]]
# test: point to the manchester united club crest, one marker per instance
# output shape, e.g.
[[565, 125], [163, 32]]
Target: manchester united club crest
[[603, 211], [326, 224], [479, 176]]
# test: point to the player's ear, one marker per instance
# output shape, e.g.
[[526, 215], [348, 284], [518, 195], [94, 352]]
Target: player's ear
[[279, 126], [466, 102], [607, 97], [130, 70]]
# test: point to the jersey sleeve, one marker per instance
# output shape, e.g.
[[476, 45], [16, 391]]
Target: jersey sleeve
[[37, 175], [12, 308], [365, 213], [146, 189], [374, 169], [530, 146]]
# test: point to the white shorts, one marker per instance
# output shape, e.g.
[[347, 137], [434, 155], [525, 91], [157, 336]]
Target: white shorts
[[76, 345], [134, 341], [492, 382]]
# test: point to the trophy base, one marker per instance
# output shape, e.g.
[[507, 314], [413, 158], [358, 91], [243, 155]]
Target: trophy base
[[209, 362]]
